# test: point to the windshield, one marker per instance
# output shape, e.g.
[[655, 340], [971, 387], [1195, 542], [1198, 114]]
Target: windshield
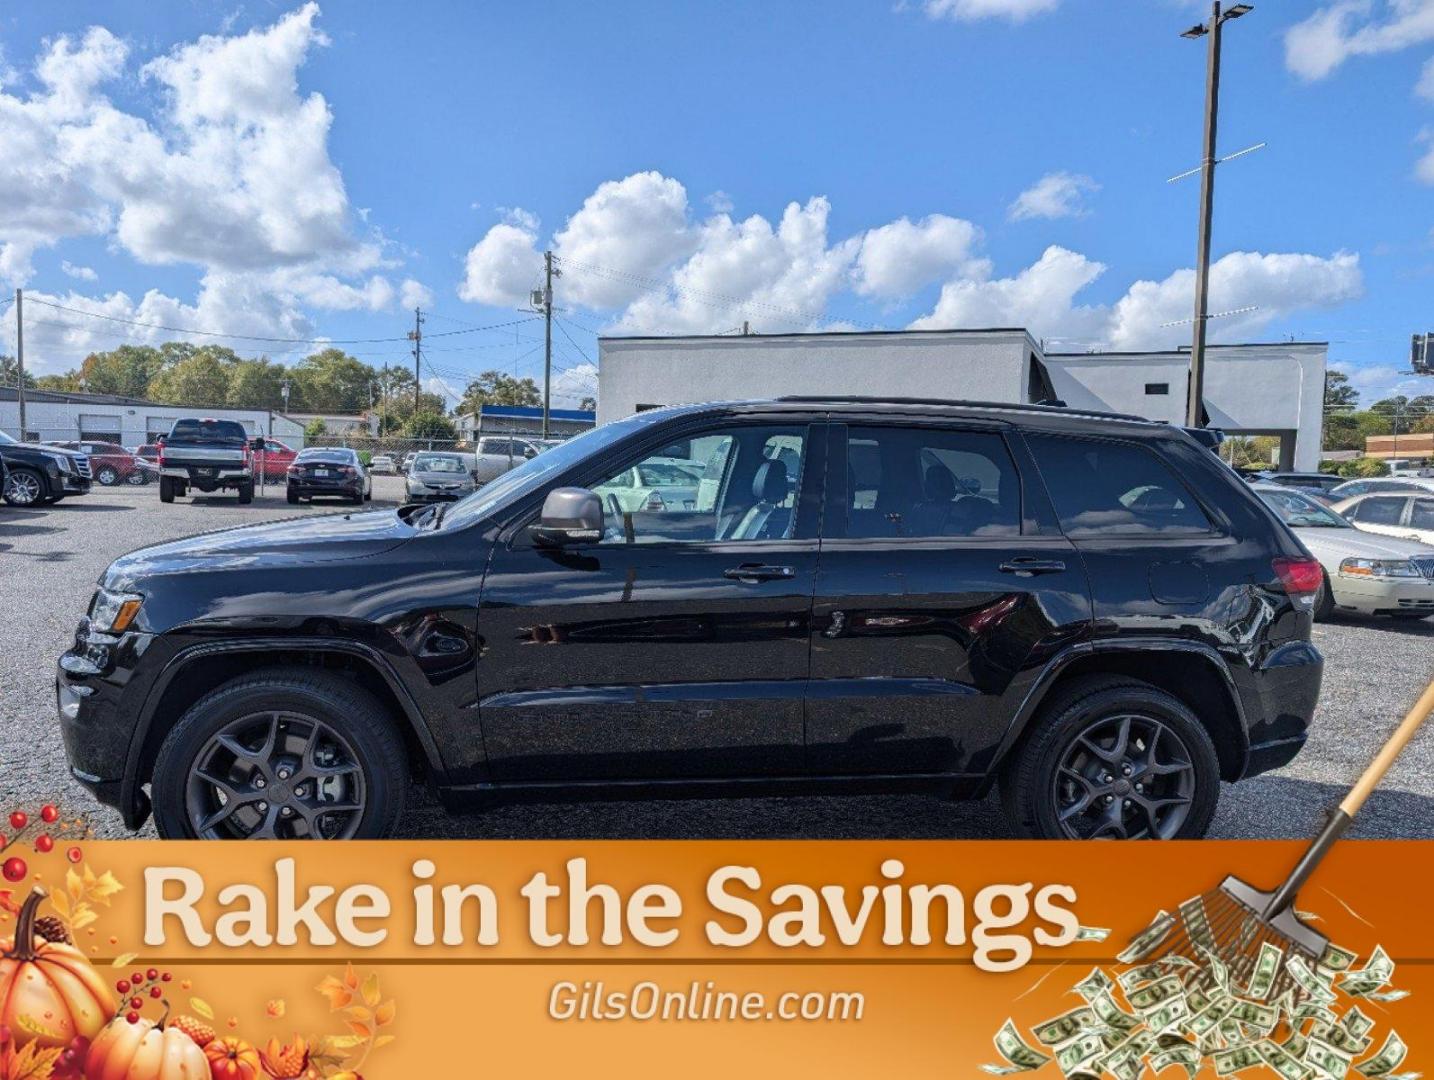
[[444, 463], [537, 471], [214, 432], [1301, 512], [6, 440], [662, 474]]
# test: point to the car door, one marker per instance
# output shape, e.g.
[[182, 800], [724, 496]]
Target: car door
[[1383, 514], [674, 648], [1421, 518], [944, 586]]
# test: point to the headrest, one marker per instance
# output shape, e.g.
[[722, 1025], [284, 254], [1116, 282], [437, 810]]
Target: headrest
[[939, 485], [770, 482]]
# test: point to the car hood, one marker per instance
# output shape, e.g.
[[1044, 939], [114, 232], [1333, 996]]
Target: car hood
[[1331, 546], [44, 448], [319, 539]]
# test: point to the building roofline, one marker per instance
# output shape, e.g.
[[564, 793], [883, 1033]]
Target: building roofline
[[1184, 350], [816, 333]]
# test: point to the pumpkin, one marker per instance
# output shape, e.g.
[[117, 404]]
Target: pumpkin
[[144, 1050], [49, 993], [231, 1058]]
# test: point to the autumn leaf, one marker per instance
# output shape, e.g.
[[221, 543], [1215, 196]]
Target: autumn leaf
[[384, 1014], [276, 1008], [123, 960], [359, 1013], [371, 993], [383, 1040], [74, 885], [202, 1007], [7, 902], [61, 903], [351, 979], [337, 993], [363, 1031], [33, 1063]]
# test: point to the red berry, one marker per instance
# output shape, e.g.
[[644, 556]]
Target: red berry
[[14, 869], [19, 819], [122, 986], [137, 978], [165, 977], [44, 844], [132, 1017], [136, 1003], [152, 974], [49, 814], [155, 991], [74, 854]]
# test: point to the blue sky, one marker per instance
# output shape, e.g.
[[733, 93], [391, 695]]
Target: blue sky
[[289, 171]]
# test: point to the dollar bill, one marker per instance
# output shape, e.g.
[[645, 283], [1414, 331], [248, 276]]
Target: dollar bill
[[1335, 958], [1313, 1010], [1327, 1059], [1267, 966], [1065, 1027], [1197, 923], [1375, 974], [1237, 1058], [1149, 939], [1308, 981], [1197, 998], [1112, 1015], [1219, 973], [1168, 1015], [1092, 933], [1152, 995], [1143, 973], [1340, 1037], [1019, 1056], [1079, 1052], [1282, 1061], [1094, 984], [1387, 995], [1208, 1019], [1186, 1056], [1257, 1015], [1391, 1055], [1296, 1043], [1355, 1022]]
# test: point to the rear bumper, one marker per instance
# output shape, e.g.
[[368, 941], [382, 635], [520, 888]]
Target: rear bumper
[[1280, 697], [310, 488]]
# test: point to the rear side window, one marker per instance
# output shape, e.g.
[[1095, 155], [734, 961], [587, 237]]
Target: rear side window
[[209, 432], [1109, 488], [1380, 510], [1422, 516], [928, 482]]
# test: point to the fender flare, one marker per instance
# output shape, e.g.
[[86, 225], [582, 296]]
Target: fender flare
[[135, 804], [1057, 665]]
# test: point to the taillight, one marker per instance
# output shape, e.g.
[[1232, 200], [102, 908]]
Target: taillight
[[159, 453], [1300, 575]]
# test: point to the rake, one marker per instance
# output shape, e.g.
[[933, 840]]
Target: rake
[[1233, 922]]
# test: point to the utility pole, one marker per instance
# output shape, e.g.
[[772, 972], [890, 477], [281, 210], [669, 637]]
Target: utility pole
[[20, 356], [416, 336], [547, 339], [1196, 404]]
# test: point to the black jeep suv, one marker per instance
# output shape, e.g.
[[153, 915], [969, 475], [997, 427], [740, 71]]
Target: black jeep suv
[[796, 594]]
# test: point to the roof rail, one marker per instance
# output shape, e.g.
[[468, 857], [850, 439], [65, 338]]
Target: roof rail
[[1042, 407]]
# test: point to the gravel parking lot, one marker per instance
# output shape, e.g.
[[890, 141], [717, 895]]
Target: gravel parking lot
[[51, 557]]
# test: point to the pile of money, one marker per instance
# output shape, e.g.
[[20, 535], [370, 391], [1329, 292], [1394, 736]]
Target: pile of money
[[1195, 1011]]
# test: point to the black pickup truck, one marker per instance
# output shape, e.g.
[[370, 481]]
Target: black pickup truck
[[33, 475], [206, 455]]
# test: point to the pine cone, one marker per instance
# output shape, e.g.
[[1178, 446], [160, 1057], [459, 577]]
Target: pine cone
[[52, 929]]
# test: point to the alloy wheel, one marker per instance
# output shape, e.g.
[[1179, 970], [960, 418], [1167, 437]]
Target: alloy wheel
[[1127, 776], [107, 476], [22, 488], [276, 776]]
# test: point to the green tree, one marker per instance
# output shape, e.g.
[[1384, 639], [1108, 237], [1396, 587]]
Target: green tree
[[588, 404], [200, 379], [256, 383], [128, 370], [332, 381], [10, 373], [430, 425], [316, 429], [69, 382], [1360, 468], [1338, 393], [497, 388]]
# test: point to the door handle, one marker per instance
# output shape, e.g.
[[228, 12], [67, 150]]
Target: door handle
[[1026, 566], [759, 572]]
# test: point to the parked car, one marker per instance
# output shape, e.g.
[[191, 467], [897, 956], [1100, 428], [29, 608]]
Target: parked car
[[1409, 515], [277, 457], [1090, 611], [382, 464], [329, 471], [1368, 575], [440, 476], [33, 474], [1316, 483], [496, 454], [111, 463], [207, 455], [407, 462], [1384, 484], [652, 485]]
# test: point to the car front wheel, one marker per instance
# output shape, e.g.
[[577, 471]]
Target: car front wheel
[[107, 476], [1112, 758], [23, 487], [289, 754]]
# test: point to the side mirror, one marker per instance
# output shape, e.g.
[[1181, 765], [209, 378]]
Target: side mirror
[[571, 515], [530, 452], [256, 443]]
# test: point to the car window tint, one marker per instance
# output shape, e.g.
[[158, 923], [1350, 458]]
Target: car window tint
[[727, 485], [217, 432], [1380, 510], [1110, 488], [930, 482], [1422, 515]]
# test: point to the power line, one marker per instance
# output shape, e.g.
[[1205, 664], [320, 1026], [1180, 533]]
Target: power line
[[571, 342]]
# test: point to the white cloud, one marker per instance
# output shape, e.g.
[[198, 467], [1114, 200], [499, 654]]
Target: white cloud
[[82, 273], [973, 10], [1055, 195], [1334, 33], [900, 258], [1041, 297], [573, 384], [1377, 381], [505, 265], [1424, 168], [414, 294]]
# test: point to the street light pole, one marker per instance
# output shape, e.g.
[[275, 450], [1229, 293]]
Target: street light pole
[[1195, 405]]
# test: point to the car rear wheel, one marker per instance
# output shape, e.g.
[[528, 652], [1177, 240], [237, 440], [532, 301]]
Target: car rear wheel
[[1112, 757], [108, 476], [23, 487], [246, 493], [1324, 601], [292, 496], [137, 478], [166, 489], [289, 754]]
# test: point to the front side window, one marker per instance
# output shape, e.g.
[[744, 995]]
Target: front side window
[[1104, 488], [929, 482], [1422, 516], [732, 484], [1380, 510]]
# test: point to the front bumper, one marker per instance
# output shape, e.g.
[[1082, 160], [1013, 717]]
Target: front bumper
[[1378, 596], [428, 495], [70, 484]]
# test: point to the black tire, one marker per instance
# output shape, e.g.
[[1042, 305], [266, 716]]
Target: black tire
[[1031, 777], [292, 497], [368, 495], [302, 694], [108, 476], [246, 494], [1409, 616], [137, 478], [23, 487], [1324, 601], [166, 489]]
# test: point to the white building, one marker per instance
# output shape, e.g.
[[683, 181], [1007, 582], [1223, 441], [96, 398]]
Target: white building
[[1273, 389], [53, 416], [351, 424]]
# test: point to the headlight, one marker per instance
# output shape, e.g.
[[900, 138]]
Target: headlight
[[112, 612], [64, 463], [1379, 568]]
